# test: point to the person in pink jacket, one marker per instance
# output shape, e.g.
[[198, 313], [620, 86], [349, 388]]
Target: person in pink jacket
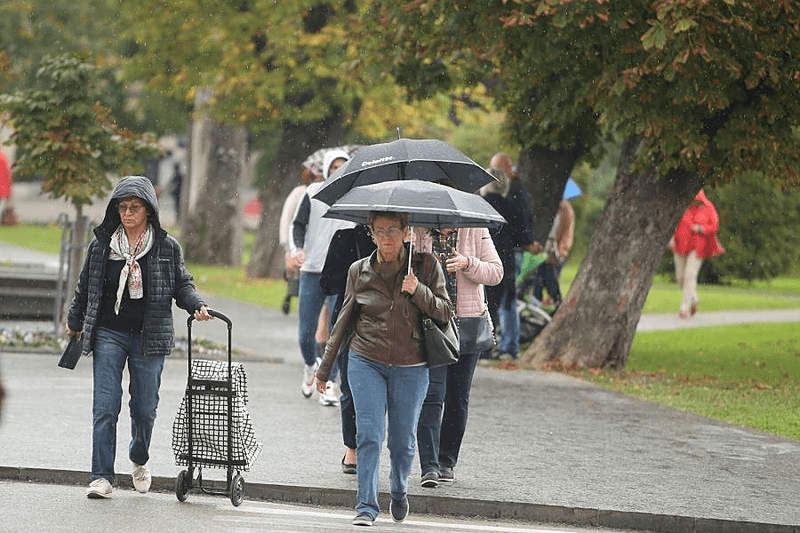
[[695, 239], [470, 261]]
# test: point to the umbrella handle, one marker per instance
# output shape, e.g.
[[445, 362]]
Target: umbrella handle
[[410, 243]]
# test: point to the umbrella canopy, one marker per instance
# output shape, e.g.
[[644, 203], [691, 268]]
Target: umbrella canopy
[[428, 204], [405, 159], [571, 190], [314, 161]]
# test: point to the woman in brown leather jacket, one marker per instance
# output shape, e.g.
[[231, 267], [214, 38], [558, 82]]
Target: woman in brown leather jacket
[[381, 319]]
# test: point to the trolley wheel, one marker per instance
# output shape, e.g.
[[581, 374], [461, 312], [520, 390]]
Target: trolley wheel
[[182, 485], [237, 490]]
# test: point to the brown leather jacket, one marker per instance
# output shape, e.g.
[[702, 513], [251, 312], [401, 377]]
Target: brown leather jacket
[[386, 327]]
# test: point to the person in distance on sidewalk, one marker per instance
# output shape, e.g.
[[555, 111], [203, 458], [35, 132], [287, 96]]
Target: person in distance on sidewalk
[[695, 239], [122, 312]]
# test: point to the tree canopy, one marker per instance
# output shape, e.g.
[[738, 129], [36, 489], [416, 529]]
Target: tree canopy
[[267, 64], [710, 86], [70, 136], [698, 91]]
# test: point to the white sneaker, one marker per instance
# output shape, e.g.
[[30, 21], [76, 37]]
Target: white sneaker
[[331, 396], [99, 488], [307, 387], [141, 478]]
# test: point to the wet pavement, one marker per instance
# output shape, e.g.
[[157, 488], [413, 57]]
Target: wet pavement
[[540, 446]]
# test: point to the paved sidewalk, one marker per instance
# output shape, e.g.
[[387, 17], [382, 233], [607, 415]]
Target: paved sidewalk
[[540, 446]]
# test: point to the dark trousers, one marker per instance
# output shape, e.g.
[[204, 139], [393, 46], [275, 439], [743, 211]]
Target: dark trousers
[[547, 278], [346, 403], [443, 419]]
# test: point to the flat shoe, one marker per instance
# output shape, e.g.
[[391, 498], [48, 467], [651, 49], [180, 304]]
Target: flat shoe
[[349, 468]]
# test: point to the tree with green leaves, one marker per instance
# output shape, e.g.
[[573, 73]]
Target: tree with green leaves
[[70, 138], [266, 66], [292, 70], [699, 92]]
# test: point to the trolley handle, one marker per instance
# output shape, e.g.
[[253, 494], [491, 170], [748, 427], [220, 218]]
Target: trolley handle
[[213, 313]]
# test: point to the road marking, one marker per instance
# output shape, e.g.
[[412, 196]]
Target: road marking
[[263, 508]]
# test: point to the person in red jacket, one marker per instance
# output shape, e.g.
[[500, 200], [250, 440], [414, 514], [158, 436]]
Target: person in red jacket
[[8, 216], [695, 239]]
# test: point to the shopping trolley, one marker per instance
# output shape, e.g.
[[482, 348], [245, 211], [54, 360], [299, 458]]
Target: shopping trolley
[[213, 427]]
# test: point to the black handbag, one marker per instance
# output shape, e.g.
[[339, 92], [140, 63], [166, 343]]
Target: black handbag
[[476, 333], [441, 344], [71, 354]]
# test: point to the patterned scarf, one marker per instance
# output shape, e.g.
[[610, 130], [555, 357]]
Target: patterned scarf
[[131, 275], [441, 247]]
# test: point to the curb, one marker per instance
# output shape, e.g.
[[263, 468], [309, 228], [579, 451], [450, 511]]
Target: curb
[[447, 506]]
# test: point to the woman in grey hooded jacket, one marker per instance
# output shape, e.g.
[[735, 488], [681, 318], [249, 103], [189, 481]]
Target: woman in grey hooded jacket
[[122, 312]]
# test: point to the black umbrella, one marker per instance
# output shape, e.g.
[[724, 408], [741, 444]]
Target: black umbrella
[[428, 204], [405, 159]]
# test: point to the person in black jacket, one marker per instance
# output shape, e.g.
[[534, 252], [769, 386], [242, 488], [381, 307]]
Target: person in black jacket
[[122, 312], [347, 246], [517, 233]]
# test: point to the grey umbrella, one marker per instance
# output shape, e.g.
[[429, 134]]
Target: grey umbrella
[[405, 159], [428, 204]]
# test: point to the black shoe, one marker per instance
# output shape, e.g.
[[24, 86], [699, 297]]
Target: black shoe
[[398, 509], [430, 479], [445, 474], [287, 306], [363, 519], [349, 468]]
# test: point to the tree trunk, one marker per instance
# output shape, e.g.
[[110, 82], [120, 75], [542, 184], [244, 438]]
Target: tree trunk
[[544, 172], [595, 325], [297, 143], [77, 247], [212, 227]]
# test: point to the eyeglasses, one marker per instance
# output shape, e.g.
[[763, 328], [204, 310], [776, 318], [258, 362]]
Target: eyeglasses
[[391, 232], [133, 208]]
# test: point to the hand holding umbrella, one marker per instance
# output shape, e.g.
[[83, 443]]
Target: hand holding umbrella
[[428, 204]]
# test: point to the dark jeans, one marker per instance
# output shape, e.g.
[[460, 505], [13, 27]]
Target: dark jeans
[[443, 419], [346, 403]]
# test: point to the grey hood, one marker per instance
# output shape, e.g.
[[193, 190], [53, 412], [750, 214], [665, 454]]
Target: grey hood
[[138, 186]]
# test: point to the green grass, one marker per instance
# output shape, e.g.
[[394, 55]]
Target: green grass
[[665, 296], [233, 283], [748, 375], [34, 237]]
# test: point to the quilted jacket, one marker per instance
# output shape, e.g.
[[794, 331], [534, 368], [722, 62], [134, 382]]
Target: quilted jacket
[[167, 279]]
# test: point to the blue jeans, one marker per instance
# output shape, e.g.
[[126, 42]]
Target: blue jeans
[[378, 391], [112, 350], [509, 318], [443, 419], [309, 304]]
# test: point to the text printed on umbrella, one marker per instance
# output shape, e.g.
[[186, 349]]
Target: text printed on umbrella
[[377, 161]]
